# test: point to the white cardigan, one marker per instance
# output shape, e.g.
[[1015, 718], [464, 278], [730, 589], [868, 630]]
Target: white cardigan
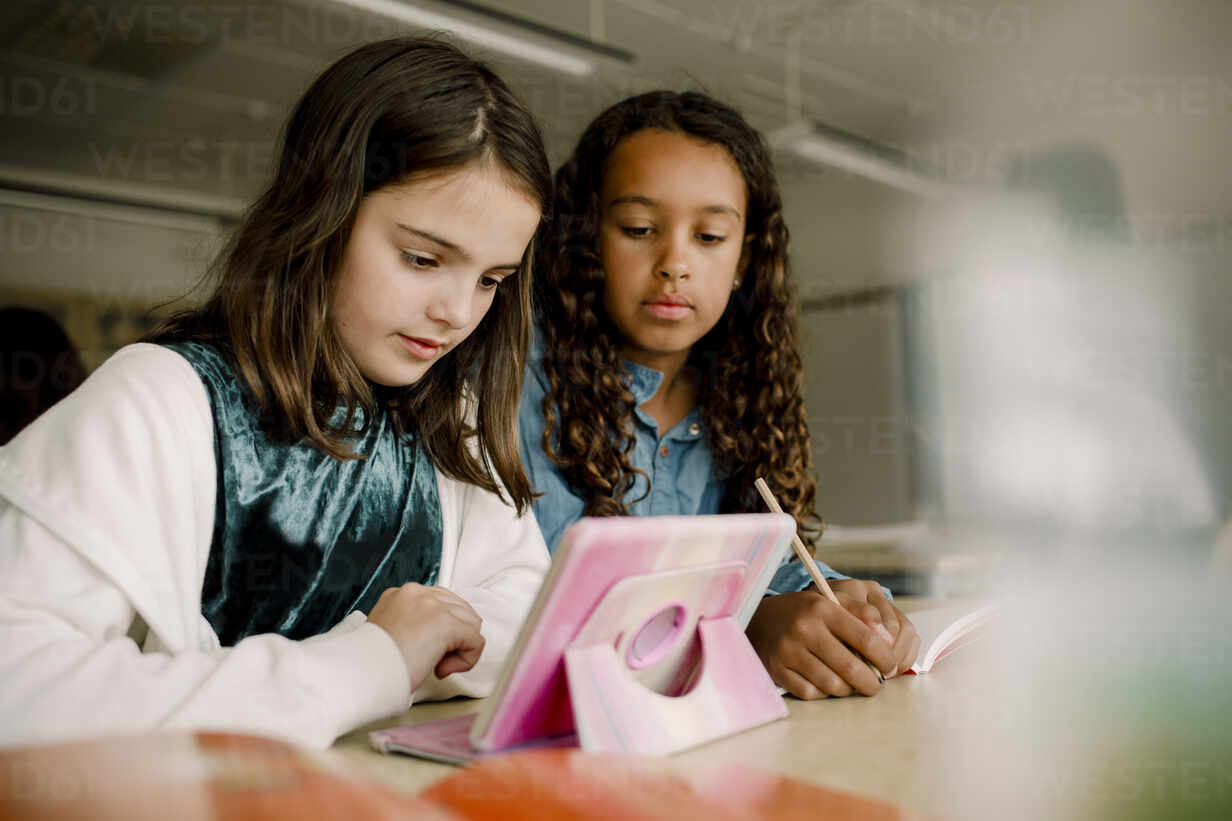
[[106, 520]]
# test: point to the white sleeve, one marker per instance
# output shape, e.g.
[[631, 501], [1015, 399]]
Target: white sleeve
[[103, 533], [499, 564]]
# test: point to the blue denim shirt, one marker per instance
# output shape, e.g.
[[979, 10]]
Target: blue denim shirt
[[679, 464]]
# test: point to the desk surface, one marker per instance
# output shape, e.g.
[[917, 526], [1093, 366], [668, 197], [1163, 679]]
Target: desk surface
[[888, 747]]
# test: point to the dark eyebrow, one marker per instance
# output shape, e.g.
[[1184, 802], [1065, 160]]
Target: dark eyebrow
[[638, 199], [453, 246], [433, 238]]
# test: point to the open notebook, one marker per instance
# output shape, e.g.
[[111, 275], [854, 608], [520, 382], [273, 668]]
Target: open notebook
[[945, 629]]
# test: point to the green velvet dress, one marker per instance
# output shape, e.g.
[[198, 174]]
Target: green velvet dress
[[300, 538]]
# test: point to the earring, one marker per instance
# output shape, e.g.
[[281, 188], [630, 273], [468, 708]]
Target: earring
[[735, 284]]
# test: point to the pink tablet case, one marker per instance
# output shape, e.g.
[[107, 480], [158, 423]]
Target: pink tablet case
[[636, 642]]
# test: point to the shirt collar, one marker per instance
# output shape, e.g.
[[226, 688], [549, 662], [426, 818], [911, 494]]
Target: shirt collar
[[643, 381]]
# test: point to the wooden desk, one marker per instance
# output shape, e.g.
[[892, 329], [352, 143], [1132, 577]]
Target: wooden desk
[[891, 746]]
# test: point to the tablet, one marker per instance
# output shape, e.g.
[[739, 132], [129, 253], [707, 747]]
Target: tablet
[[675, 570]]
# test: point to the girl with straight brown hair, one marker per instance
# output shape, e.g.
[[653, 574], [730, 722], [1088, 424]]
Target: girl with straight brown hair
[[193, 538]]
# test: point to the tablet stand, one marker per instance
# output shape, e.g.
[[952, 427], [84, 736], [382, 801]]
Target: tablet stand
[[654, 618]]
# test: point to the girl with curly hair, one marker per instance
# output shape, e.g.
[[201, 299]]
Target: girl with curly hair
[[666, 375]]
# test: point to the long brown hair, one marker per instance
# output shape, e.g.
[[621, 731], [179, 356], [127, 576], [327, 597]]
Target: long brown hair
[[384, 112], [752, 402]]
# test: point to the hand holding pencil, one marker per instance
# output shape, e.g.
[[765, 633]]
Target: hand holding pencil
[[818, 645]]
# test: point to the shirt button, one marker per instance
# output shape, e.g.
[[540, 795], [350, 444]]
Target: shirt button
[[695, 428], [663, 451]]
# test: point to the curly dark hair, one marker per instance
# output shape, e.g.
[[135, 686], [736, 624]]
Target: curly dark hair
[[749, 362]]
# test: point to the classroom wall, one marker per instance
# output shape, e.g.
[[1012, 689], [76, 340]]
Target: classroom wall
[[83, 252], [847, 257], [853, 366], [100, 272]]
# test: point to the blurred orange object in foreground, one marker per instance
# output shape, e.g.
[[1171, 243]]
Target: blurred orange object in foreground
[[189, 777], [206, 776], [570, 784]]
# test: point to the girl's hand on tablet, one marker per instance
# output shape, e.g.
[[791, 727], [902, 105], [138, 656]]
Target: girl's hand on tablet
[[434, 628]]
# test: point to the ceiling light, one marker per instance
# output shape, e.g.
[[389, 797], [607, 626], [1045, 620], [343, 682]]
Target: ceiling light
[[551, 57], [829, 146]]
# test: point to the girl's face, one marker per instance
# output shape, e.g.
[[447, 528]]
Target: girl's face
[[671, 241], [421, 267]]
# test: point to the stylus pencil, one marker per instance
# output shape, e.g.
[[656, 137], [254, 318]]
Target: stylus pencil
[[801, 551], [805, 557]]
